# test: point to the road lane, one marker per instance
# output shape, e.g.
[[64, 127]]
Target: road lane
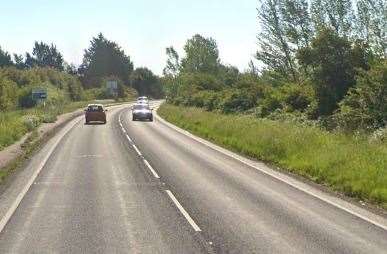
[[242, 210], [95, 195]]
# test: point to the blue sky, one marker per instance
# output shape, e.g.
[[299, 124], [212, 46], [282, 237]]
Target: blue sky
[[143, 28]]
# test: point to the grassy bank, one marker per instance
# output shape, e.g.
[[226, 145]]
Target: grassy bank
[[352, 165], [15, 124]]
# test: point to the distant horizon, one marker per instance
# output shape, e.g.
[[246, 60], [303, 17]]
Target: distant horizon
[[143, 30]]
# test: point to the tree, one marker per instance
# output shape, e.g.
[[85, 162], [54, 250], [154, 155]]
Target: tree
[[228, 74], [102, 59], [332, 62], [45, 55], [336, 14], [70, 68], [274, 49], [173, 63], [202, 55], [146, 83], [19, 61], [372, 23], [5, 58], [296, 22]]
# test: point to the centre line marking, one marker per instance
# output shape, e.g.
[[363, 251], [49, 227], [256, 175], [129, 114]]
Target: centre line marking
[[129, 139], [135, 148], [183, 211], [151, 169]]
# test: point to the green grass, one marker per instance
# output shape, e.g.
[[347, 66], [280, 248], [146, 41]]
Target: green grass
[[348, 164], [15, 124]]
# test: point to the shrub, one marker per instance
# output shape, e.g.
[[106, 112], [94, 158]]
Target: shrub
[[365, 106], [8, 94]]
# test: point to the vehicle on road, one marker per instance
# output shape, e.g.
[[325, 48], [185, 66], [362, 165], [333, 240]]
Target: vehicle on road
[[95, 113], [142, 112], [142, 100]]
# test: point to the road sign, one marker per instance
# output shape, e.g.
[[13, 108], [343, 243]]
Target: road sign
[[112, 87], [39, 94]]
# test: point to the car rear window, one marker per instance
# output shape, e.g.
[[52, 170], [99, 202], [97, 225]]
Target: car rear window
[[95, 108], [137, 107]]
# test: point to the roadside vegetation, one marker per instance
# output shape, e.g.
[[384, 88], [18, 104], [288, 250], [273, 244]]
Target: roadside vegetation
[[312, 101], [67, 86]]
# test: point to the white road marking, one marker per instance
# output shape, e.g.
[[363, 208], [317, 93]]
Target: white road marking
[[138, 151], [24, 191], [183, 211], [345, 206], [151, 169], [135, 148]]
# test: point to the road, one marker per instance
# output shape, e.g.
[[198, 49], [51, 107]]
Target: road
[[142, 187]]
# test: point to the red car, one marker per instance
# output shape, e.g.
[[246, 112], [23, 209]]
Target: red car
[[95, 113]]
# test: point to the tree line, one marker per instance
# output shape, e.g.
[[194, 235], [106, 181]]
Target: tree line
[[103, 60], [319, 61]]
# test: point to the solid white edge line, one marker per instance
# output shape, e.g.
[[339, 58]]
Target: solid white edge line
[[183, 211], [135, 148], [151, 169], [24, 191], [129, 139], [228, 153]]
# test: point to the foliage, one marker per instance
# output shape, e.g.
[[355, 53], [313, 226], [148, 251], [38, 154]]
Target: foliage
[[146, 83], [338, 15], [5, 58], [102, 59], [173, 63], [372, 23], [45, 55], [274, 48], [331, 61], [365, 106], [202, 55], [7, 94]]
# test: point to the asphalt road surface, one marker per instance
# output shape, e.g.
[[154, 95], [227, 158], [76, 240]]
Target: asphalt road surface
[[143, 187]]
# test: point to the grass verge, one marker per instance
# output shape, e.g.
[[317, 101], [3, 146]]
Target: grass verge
[[15, 124], [352, 165]]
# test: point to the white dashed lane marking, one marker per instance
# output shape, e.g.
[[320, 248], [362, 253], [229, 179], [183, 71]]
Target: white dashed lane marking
[[183, 211]]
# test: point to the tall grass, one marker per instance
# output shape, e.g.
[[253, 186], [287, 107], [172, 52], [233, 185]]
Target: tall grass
[[15, 124], [349, 164]]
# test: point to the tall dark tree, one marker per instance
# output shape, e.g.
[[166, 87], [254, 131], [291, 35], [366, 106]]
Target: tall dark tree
[[146, 83], [104, 58], [332, 62], [19, 61], [45, 55], [202, 55], [5, 58]]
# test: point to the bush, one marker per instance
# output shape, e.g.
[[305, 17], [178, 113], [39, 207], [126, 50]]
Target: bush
[[8, 94], [365, 106], [289, 98]]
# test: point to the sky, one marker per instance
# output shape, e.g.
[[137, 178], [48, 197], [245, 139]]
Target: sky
[[143, 28]]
